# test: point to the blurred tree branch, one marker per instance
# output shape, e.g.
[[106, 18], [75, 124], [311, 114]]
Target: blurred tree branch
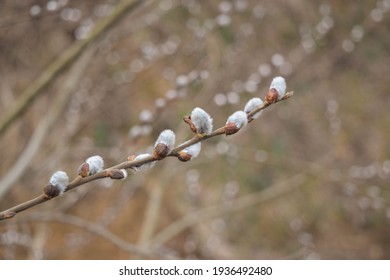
[[64, 60], [47, 122], [208, 213], [151, 215], [153, 208], [95, 229], [215, 211]]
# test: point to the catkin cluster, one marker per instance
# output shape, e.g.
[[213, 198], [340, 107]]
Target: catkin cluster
[[200, 123]]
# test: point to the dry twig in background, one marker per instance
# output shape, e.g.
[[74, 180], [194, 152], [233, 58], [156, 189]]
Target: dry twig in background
[[47, 122], [94, 229], [64, 60]]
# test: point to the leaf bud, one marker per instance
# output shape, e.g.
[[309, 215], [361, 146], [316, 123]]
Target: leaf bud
[[117, 174]]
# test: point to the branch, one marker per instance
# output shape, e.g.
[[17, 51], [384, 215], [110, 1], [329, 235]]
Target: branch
[[64, 60], [282, 188], [135, 164], [97, 230], [46, 123], [152, 214], [217, 211]]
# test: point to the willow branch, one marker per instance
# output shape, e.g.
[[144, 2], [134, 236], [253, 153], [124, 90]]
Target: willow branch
[[129, 164], [64, 60], [221, 130]]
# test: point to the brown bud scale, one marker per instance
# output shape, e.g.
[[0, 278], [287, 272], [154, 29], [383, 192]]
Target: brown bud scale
[[272, 96], [183, 156], [115, 174], [51, 191], [83, 170], [231, 128], [160, 151]]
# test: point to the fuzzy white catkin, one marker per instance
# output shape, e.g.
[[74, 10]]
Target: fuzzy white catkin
[[253, 104], [202, 121], [145, 166], [239, 118], [166, 137], [279, 84], [193, 150], [96, 164], [59, 180], [124, 171]]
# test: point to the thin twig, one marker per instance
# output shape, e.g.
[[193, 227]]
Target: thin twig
[[151, 214], [217, 211], [95, 229], [153, 208], [279, 189], [39, 135], [78, 181], [38, 241]]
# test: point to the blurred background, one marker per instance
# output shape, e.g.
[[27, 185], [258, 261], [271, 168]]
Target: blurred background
[[309, 179]]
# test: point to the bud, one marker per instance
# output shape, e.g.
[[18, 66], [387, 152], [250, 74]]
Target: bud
[[7, 215], [190, 152], [144, 166], [83, 169], [202, 121], [271, 96], [131, 158], [57, 184], [164, 144], [117, 174], [96, 164], [235, 122], [91, 166], [253, 104], [277, 90]]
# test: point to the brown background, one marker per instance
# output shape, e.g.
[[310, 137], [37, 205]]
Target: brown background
[[308, 179]]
